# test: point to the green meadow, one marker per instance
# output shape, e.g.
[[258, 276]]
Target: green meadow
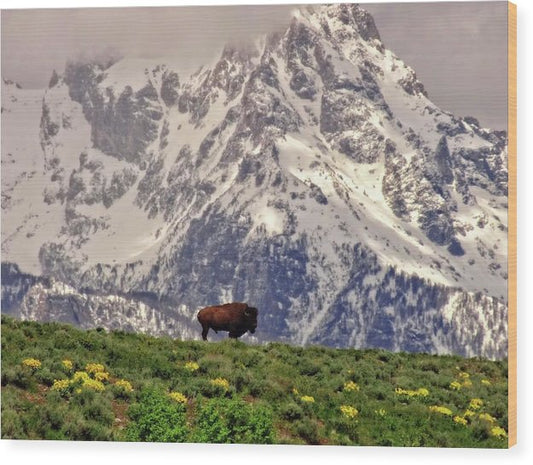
[[63, 383]]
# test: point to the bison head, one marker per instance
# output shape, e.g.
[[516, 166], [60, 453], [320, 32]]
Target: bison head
[[250, 314]]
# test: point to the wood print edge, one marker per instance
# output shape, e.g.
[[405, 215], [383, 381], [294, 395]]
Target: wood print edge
[[512, 234]]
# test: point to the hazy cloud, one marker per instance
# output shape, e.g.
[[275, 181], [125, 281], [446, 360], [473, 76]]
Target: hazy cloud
[[457, 49]]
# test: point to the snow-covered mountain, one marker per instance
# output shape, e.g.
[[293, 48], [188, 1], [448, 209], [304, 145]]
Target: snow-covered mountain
[[309, 174]]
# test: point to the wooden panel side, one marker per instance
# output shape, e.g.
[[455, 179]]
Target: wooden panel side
[[512, 236]]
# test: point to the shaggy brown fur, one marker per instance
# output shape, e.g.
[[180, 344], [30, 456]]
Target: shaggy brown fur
[[237, 318]]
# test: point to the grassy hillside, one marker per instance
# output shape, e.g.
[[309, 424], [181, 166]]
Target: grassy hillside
[[59, 382]]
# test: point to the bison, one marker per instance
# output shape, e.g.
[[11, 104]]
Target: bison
[[237, 318]]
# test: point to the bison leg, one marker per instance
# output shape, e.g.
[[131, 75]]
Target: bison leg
[[205, 330]]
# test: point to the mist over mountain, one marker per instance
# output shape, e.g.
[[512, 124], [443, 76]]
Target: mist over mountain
[[307, 173]]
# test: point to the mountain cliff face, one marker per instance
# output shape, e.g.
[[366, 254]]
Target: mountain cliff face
[[309, 175]]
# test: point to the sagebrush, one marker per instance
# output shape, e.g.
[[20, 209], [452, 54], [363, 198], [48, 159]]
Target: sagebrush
[[59, 382]]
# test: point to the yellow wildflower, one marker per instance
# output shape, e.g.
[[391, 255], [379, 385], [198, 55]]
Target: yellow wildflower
[[93, 368], [464, 375], [468, 413], [487, 417], [423, 392], [309, 399], [93, 385], [101, 376], [349, 411], [32, 363], [124, 385], [351, 386], [381, 412], [460, 420], [60, 385], [80, 376], [486, 382], [221, 382], [455, 385], [67, 364], [192, 366], [475, 404], [440, 409], [498, 432], [295, 391], [178, 397]]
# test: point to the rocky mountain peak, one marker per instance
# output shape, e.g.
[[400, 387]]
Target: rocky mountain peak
[[341, 21]]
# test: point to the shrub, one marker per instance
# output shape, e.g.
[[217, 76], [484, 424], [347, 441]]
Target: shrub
[[309, 368], [380, 392], [83, 397], [233, 421], [210, 426], [346, 426], [307, 429], [430, 365], [241, 379], [17, 376], [161, 367], [82, 430], [99, 412], [12, 421], [64, 340], [261, 429], [46, 376], [156, 418], [291, 411], [252, 359], [268, 389], [12, 425]]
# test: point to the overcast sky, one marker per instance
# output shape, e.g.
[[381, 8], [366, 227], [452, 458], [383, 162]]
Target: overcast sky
[[458, 50]]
